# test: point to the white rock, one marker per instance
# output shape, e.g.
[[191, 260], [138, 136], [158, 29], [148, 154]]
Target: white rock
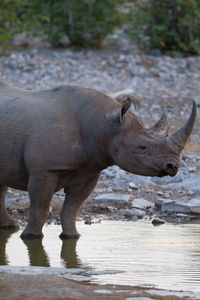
[[141, 203], [133, 186]]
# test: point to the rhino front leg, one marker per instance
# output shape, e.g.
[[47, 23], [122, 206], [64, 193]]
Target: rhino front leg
[[41, 188], [74, 198], [6, 220]]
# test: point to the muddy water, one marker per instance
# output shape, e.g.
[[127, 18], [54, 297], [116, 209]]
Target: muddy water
[[167, 256]]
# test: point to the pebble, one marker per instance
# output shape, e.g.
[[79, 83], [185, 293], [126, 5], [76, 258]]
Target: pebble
[[133, 186], [87, 220]]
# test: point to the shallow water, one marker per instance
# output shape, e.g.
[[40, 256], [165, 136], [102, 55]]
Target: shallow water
[[167, 256]]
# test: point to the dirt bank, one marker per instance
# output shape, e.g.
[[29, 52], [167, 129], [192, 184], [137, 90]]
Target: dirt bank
[[46, 287]]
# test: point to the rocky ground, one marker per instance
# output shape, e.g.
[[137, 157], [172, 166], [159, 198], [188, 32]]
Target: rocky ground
[[163, 84]]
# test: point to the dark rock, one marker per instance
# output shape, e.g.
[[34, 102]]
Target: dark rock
[[87, 220], [157, 221]]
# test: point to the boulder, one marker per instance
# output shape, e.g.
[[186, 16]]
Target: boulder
[[183, 206], [142, 203]]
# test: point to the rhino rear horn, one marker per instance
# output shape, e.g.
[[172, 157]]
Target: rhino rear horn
[[178, 140], [161, 127]]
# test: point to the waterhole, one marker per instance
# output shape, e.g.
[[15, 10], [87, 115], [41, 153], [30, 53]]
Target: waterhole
[[166, 257]]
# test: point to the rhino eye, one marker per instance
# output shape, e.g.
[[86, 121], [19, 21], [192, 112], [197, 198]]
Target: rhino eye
[[142, 148]]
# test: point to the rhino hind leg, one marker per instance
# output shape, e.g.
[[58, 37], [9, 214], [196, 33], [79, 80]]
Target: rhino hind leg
[[41, 188], [6, 221], [71, 207]]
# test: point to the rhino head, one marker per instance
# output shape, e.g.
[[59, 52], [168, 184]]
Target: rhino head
[[148, 152]]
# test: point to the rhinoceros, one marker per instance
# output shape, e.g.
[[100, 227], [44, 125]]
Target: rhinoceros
[[63, 137]]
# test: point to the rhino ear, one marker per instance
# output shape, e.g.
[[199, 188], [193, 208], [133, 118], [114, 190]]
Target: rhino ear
[[161, 127], [125, 107], [127, 94], [117, 117]]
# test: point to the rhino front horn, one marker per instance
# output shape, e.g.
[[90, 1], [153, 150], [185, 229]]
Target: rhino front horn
[[178, 140]]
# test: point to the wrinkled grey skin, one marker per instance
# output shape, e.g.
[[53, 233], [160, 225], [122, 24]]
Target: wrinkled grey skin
[[64, 137]]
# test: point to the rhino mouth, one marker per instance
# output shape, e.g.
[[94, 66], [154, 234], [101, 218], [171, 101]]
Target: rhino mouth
[[167, 173], [162, 173]]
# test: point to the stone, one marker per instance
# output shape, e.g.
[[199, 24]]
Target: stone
[[64, 41], [194, 205], [157, 221], [141, 181], [179, 215], [125, 212], [113, 199], [160, 193], [175, 207], [179, 206], [191, 183], [134, 212], [17, 203], [191, 169], [137, 212], [139, 298], [197, 102], [141, 203], [133, 186], [87, 220], [160, 201]]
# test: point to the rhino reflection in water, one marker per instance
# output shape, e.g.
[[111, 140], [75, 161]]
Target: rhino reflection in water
[[64, 137]]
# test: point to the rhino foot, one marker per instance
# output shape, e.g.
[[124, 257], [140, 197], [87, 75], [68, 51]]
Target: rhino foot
[[9, 223], [64, 236], [30, 236]]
